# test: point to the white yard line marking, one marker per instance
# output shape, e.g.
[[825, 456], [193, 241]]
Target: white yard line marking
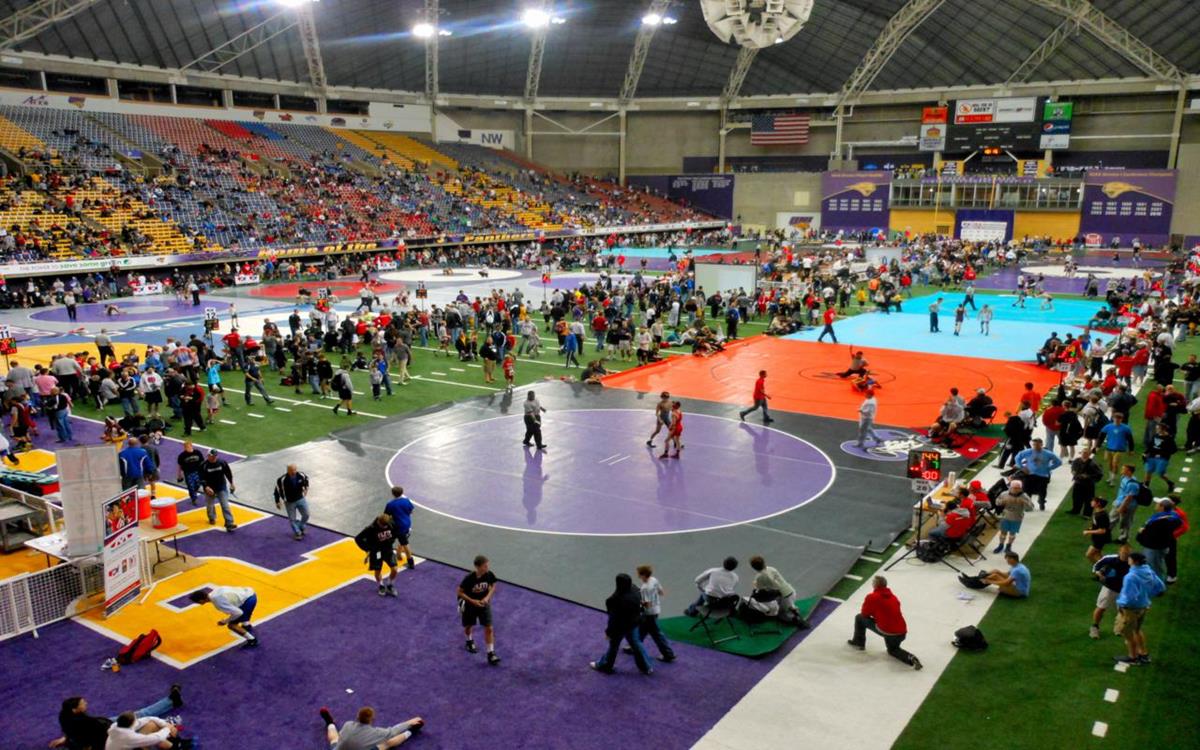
[[256, 416], [1099, 729], [875, 560], [833, 599], [1121, 667], [852, 577], [439, 374], [226, 421], [282, 408], [457, 369], [1111, 695]]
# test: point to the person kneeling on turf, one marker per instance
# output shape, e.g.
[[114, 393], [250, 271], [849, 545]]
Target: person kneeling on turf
[[881, 614], [362, 734]]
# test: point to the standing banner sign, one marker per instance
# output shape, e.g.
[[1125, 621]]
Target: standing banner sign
[[122, 553], [8, 344]]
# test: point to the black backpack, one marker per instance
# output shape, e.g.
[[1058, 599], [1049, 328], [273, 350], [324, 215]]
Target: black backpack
[[970, 638], [1144, 495]]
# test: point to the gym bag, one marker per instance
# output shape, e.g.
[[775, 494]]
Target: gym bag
[[139, 648], [970, 638]]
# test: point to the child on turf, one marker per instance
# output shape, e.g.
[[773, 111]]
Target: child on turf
[[113, 432], [443, 340], [213, 402], [376, 376], [510, 371]]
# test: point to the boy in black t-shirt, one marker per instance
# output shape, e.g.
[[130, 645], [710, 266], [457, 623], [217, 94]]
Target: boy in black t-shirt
[[1100, 532], [378, 541], [475, 603]]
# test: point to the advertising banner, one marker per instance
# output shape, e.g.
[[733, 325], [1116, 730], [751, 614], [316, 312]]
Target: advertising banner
[[974, 111], [1020, 109], [386, 265], [708, 192], [931, 115], [1058, 111], [983, 231], [246, 279], [148, 288], [933, 137], [122, 561], [855, 200], [1129, 204], [984, 224]]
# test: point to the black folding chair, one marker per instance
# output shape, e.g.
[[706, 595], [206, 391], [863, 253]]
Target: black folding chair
[[713, 614]]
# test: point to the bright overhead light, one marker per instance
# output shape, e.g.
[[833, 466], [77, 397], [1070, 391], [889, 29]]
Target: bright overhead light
[[595, 105], [445, 32], [294, 3], [652, 19], [423, 30], [668, 21], [558, 20], [779, 40], [535, 18]]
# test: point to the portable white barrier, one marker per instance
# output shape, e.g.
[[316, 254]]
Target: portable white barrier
[[33, 600]]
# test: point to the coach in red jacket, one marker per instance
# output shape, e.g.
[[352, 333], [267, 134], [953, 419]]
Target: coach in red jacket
[[881, 614]]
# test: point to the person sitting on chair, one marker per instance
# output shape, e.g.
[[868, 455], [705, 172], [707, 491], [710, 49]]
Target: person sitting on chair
[[1014, 582], [955, 523], [981, 408], [948, 420], [770, 579], [715, 584]]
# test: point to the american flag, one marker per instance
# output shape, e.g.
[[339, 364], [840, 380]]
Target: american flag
[[772, 130]]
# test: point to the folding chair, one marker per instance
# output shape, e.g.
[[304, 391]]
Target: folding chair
[[712, 614]]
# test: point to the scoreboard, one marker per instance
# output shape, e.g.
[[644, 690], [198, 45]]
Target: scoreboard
[[1014, 124]]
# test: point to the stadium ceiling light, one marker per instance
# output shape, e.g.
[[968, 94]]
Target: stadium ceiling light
[[294, 3], [445, 32], [535, 18], [558, 20], [651, 19], [668, 21], [423, 30]]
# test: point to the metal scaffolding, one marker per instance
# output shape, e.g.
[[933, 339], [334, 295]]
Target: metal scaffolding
[[30, 21], [737, 76], [641, 48], [898, 28], [1115, 36], [248, 40], [312, 47]]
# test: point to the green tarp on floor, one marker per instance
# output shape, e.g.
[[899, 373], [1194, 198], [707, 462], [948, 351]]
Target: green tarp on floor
[[753, 640]]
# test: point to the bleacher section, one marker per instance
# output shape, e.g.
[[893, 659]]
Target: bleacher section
[[234, 184]]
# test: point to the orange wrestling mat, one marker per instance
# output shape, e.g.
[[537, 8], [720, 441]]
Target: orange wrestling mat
[[802, 377]]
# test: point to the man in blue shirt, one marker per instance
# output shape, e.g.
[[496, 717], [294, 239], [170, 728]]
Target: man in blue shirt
[[400, 509], [1125, 506], [1141, 584], [1118, 439], [136, 465], [1015, 582], [1037, 463]]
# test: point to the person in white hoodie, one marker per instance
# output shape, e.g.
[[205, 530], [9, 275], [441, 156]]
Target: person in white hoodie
[[129, 732]]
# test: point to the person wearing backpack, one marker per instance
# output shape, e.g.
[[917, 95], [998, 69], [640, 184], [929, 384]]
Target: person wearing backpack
[[1130, 494], [378, 541], [344, 386], [1118, 439]]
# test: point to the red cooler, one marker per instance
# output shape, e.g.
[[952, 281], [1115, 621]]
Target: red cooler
[[165, 514], [143, 501]]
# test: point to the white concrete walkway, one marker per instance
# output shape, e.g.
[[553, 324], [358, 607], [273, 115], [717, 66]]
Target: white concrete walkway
[[825, 694]]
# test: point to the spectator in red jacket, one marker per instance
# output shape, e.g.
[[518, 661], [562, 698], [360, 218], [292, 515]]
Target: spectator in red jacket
[[1180, 530], [1156, 407], [881, 614], [1032, 397], [1050, 420], [1124, 367]]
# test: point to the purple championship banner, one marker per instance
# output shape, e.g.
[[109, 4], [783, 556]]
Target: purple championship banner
[[712, 193], [854, 201], [1129, 204]]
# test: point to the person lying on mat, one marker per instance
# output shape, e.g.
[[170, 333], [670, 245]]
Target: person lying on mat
[[362, 734], [130, 732], [81, 729], [715, 584]]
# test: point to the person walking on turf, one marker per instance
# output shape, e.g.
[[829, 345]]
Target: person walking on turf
[[475, 594], [624, 609], [881, 614], [866, 419], [985, 320], [760, 399], [344, 386], [662, 417], [1140, 585], [533, 422], [253, 376], [830, 315], [237, 603], [291, 492], [400, 508]]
